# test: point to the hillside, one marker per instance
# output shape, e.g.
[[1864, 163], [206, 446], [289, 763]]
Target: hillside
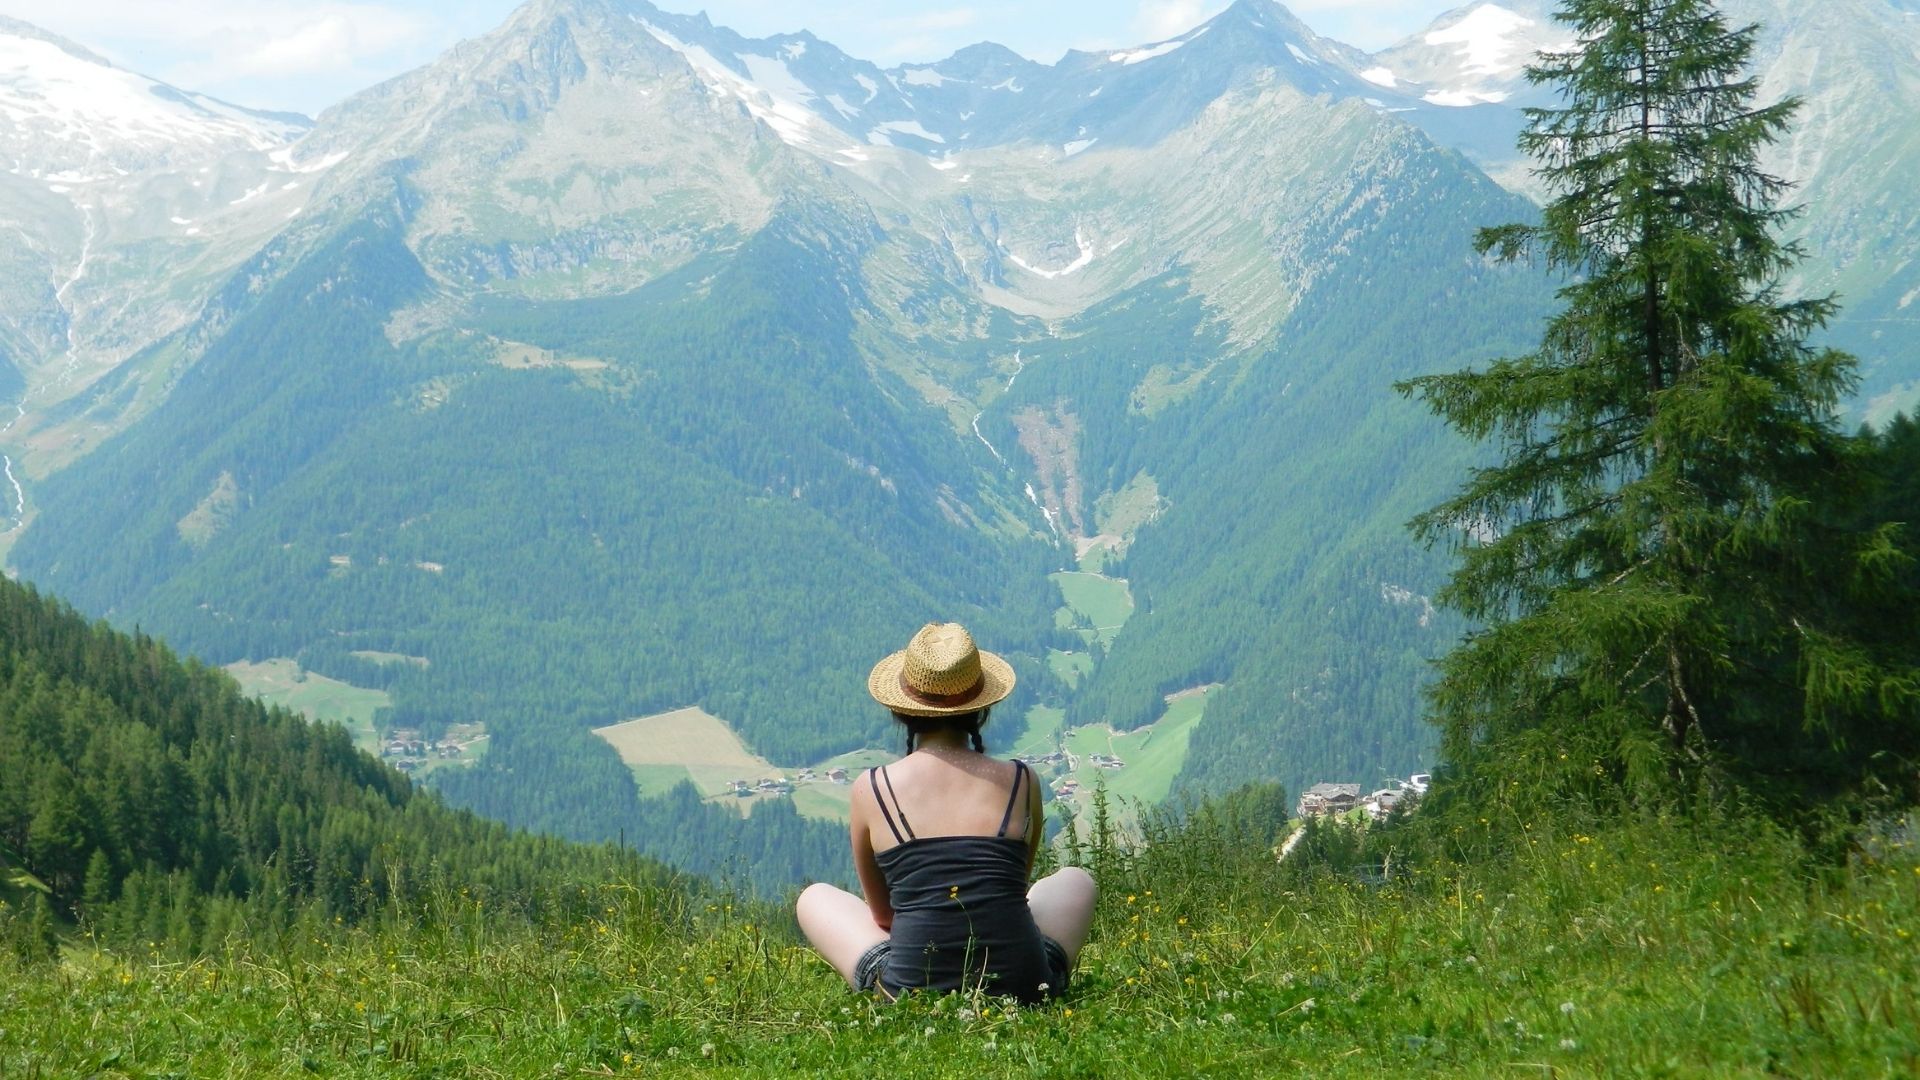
[[150, 799], [1599, 949]]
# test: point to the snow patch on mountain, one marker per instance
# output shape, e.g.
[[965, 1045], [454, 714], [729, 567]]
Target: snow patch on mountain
[[1490, 39], [906, 127], [772, 94], [285, 160], [1135, 56], [48, 93], [1460, 99], [1380, 76], [1081, 262]]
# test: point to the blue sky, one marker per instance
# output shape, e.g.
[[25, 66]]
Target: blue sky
[[307, 54]]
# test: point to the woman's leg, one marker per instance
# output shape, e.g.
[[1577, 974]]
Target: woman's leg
[[1062, 904], [839, 924]]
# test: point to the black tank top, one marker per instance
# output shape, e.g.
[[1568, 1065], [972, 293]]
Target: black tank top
[[960, 915]]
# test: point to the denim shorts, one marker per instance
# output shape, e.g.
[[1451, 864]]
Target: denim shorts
[[867, 969]]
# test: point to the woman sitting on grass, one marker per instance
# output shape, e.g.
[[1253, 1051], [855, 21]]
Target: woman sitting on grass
[[944, 841]]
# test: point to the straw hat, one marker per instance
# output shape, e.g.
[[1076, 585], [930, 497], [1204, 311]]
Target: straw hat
[[939, 673]]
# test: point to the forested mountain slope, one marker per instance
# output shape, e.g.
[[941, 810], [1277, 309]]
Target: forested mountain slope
[[491, 409], [617, 363], [153, 800]]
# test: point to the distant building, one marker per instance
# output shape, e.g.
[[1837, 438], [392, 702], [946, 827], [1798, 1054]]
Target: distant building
[[1323, 799], [1381, 803], [837, 775]]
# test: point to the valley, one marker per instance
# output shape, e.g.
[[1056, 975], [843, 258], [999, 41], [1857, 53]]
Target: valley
[[613, 362], [1137, 768]]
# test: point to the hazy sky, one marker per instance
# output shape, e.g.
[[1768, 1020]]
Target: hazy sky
[[308, 54]]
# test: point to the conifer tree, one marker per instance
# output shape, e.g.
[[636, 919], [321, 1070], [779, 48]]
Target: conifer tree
[[1653, 554], [96, 892]]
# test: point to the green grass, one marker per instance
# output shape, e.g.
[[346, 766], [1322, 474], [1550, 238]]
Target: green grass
[[386, 658], [283, 682], [1071, 667], [1649, 949], [1153, 754], [1101, 604], [824, 801], [658, 779], [1041, 731], [1122, 513]]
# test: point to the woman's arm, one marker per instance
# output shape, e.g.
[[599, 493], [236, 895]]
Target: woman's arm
[[872, 882]]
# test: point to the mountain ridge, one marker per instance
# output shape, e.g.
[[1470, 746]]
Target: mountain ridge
[[607, 372]]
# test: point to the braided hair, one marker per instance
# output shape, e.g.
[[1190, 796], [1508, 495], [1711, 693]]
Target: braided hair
[[966, 723]]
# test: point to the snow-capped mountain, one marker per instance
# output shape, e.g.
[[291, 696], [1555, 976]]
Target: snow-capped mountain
[[1042, 188], [1028, 180], [1851, 151], [73, 117], [129, 201], [1473, 55]]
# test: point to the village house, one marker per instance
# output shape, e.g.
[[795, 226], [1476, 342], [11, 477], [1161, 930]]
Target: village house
[[1321, 799], [1381, 803]]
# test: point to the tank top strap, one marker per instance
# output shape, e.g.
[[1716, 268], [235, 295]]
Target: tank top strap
[[897, 809], [1013, 797]]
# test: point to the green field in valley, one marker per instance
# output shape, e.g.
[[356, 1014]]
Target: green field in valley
[[283, 682], [1150, 757], [670, 748], [1098, 606], [1071, 667], [1039, 736]]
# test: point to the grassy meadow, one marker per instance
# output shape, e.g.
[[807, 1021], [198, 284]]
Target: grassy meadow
[[1152, 755], [1654, 948], [283, 682], [691, 744], [1096, 605]]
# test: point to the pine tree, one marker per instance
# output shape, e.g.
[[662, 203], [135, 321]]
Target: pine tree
[[1652, 555], [96, 892]]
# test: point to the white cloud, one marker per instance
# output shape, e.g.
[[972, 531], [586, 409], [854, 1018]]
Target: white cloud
[[225, 45], [1156, 20], [949, 19], [910, 37], [331, 40]]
